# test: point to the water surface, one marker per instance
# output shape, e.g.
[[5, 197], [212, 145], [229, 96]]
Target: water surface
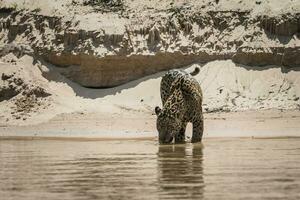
[[220, 169]]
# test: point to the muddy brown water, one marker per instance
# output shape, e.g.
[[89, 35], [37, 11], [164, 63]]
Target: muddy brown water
[[220, 169]]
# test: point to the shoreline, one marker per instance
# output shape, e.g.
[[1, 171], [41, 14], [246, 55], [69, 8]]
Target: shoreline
[[104, 126], [99, 139]]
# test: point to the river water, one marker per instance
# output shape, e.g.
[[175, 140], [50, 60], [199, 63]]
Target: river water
[[219, 169]]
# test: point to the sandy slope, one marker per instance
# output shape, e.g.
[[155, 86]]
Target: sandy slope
[[226, 87]]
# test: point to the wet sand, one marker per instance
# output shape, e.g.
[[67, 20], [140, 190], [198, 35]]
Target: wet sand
[[106, 126]]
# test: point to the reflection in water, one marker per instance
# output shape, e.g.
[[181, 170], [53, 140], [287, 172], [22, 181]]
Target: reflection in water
[[180, 172]]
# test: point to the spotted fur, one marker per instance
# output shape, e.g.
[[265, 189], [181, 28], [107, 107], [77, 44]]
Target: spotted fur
[[181, 96]]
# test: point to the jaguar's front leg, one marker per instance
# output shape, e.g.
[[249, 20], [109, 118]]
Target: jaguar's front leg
[[180, 136], [197, 129]]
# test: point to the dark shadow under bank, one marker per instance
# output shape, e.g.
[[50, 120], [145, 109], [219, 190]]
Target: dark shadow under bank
[[111, 71], [55, 74]]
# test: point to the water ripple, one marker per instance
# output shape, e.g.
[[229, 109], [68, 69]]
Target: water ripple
[[223, 169]]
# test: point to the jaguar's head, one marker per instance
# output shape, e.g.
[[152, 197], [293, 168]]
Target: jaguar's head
[[167, 126]]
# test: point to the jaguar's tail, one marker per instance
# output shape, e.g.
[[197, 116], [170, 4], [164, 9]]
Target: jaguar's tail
[[195, 72]]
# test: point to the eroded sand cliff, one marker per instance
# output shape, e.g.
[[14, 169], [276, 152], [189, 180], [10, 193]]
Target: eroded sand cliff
[[98, 46]]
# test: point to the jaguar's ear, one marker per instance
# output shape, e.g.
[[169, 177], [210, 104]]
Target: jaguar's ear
[[157, 110]]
